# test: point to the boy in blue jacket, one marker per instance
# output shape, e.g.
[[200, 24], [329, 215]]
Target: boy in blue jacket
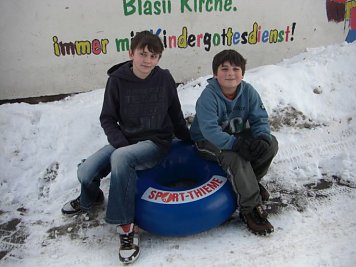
[[140, 115], [231, 127]]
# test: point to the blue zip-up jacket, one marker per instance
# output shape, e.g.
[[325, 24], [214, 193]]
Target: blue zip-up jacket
[[214, 112]]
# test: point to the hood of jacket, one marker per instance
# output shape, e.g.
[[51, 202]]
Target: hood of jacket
[[124, 71], [215, 87]]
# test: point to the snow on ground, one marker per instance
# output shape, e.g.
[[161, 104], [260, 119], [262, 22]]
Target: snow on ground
[[311, 101]]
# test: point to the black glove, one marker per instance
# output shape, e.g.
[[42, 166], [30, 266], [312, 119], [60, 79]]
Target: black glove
[[258, 147], [242, 146]]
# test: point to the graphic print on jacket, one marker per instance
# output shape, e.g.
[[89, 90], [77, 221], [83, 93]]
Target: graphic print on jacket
[[144, 109]]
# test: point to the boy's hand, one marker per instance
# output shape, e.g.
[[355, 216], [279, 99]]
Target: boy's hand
[[258, 147], [242, 146]]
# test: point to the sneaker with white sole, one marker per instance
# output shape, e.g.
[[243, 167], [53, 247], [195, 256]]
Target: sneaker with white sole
[[73, 207], [129, 243]]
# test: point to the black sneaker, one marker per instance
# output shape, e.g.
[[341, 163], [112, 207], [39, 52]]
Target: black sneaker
[[73, 207], [129, 243], [263, 192], [257, 222]]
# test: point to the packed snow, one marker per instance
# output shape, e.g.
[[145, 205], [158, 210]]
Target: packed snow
[[311, 102]]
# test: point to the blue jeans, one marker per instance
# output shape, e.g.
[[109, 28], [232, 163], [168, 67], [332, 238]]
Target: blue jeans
[[122, 163]]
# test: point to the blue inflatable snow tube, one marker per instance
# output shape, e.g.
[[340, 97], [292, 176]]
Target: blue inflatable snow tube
[[183, 195]]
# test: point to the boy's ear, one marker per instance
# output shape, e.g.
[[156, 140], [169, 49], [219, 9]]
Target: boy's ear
[[131, 54]]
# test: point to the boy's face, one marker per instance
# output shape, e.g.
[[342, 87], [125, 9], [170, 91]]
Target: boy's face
[[143, 61], [229, 77]]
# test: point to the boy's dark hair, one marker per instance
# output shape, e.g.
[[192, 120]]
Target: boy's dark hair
[[231, 56], [146, 38]]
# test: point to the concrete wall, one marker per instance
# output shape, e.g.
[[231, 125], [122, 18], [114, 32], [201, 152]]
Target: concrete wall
[[52, 47]]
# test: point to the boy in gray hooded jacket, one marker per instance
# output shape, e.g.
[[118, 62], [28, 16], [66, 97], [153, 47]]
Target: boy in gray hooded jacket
[[231, 127], [141, 114]]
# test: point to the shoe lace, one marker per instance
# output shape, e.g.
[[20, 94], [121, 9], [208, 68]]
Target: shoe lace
[[75, 203], [261, 212], [126, 240]]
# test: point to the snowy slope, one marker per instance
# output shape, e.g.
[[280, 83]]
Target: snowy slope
[[311, 101]]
